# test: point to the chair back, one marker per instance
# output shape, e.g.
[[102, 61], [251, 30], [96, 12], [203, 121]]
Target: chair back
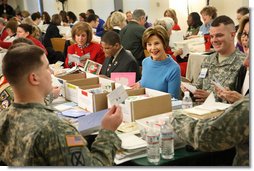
[[58, 44]]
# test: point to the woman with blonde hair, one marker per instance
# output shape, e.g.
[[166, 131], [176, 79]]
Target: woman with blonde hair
[[172, 14], [118, 21]]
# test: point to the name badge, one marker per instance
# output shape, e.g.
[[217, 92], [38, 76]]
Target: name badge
[[203, 72]]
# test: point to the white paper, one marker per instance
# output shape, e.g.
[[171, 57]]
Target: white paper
[[55, 81], [131, 141], [71, 70], [128, 158], [185, 49], [58, 64], [73, 58], [176, 36], [190, 87], [210, 105], [210, 100], [117, 96], [65, 106]]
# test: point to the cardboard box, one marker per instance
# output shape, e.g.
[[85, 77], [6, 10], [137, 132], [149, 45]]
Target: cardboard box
[[65, 78], [72, 87], [157, 103], [95, 102]]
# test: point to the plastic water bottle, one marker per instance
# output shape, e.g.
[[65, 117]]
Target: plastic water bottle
[[153, 145], [167, 140], [187, 101]]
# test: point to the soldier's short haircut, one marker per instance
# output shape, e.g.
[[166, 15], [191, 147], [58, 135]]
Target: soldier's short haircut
[[19, 61], [138, 13], [111, 38], [223, 19], [22, 40]]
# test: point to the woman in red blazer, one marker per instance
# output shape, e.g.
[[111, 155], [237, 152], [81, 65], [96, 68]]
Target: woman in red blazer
[[82, 35]]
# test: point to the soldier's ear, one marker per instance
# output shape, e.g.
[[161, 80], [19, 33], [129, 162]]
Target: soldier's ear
[[33, 78]]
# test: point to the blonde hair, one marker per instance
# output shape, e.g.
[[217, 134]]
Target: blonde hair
[[172, 13], [117, 19]]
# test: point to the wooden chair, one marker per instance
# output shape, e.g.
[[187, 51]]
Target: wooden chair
[[58, 44]]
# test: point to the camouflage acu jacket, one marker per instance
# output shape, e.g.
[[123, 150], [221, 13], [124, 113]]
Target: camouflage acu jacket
[[225, 72], [32, 134], [231, 129]]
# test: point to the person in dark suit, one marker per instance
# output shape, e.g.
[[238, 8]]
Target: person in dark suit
[[6, 11], [53, 32], [131, 35], [117, 58]]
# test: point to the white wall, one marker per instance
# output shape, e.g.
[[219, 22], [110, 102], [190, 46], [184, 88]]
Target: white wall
[[157, 8], [226, 7], [102, 8], [78, 6], [31, 5], [153, 8], [134, 4], [52, 7]]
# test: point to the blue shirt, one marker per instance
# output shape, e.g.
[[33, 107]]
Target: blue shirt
[[161, 75], [100, 29], [204, 29]]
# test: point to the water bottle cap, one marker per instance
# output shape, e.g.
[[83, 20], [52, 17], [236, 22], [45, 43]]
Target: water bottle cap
[[186, 93]]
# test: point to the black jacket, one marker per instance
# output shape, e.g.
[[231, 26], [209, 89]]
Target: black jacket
[[124, 62]]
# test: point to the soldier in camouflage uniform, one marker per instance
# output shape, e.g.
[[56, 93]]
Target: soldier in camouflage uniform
[[224, 64], [32, 134], [231, 129]]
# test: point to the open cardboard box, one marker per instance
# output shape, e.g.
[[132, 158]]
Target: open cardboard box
[[70, 77], [95, 102], [157, 103], [72, 87]]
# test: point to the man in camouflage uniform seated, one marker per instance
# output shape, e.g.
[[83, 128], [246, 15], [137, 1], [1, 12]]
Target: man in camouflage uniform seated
[[230, 129], [224, 64], [32, 133]]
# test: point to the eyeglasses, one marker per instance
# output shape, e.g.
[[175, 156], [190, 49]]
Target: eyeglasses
[[243, 34]]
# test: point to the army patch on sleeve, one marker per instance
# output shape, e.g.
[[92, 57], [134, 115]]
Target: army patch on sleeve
[[74, 140]]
